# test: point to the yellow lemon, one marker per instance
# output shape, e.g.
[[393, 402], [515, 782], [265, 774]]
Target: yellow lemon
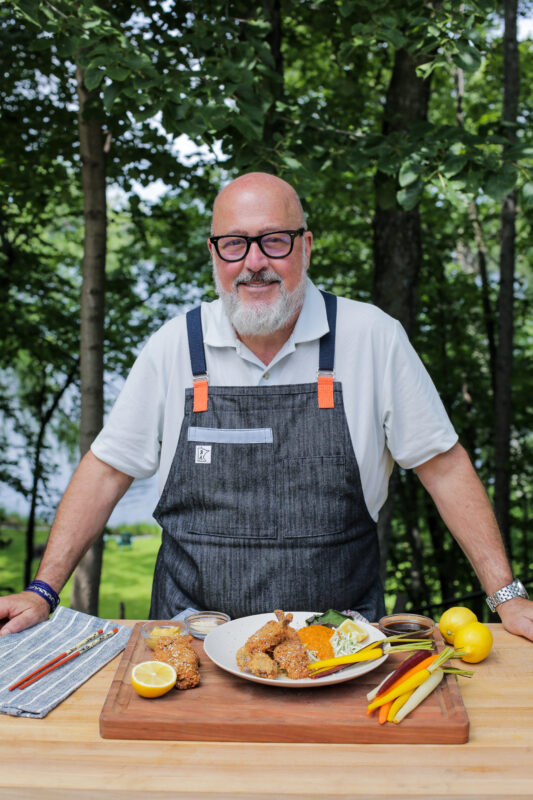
[[453, 619], [153, 678], [357, 632], [474, 640]]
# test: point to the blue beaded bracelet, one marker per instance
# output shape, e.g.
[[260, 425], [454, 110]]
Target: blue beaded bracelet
[[44, 590]]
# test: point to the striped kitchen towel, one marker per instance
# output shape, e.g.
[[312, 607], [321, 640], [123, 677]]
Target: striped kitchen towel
[[21, 653]]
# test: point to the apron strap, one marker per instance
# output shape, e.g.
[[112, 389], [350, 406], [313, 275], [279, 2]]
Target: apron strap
[[197, 355], [326, 359]]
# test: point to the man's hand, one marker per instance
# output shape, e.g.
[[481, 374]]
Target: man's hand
[[89, 499], [517, 616], [20, 611]]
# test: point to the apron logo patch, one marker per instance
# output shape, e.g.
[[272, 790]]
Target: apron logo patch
[[203, 454]]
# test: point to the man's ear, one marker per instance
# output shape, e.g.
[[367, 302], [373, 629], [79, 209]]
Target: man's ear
[[308, 238]]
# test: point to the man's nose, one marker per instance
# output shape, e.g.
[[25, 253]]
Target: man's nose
[[255, 258]]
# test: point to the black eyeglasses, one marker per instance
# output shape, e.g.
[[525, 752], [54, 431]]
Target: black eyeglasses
[[275, 244]]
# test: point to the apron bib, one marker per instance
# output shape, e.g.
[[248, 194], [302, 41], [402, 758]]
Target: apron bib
[[263, 506]]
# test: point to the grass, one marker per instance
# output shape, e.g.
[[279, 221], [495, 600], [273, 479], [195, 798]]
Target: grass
[[126, 572]]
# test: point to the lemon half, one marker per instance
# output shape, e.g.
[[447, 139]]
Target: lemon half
[[153, 678], [357, 632]]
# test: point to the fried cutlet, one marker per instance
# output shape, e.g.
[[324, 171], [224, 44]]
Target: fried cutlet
[[176, 651]]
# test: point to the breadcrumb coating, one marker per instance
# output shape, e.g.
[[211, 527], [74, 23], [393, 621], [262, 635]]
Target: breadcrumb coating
[[176, 651]]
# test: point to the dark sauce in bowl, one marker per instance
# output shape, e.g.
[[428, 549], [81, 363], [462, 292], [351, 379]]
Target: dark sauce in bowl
[[412, 625]]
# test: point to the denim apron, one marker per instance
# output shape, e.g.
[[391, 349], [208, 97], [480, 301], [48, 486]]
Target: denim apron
[[263, 506]]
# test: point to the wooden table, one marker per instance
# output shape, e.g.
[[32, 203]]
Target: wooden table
[[63, 757]]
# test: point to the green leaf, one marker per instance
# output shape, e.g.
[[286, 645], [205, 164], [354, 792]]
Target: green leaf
[[118, 73], [111, 93], [42, 43], [410, 197], [527, 194], [410, 171], [93, 77], [453, 165], [499, 184], [30, 10], [394, 36], [467, 57], [346, 8], [291, 162]]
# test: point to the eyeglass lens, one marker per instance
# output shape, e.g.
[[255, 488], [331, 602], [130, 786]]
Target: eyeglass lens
[[272, 244]]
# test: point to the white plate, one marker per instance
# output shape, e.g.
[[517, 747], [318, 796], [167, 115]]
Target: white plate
[[222, 643]]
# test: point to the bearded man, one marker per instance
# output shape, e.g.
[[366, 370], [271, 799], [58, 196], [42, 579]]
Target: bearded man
[[274, 416]]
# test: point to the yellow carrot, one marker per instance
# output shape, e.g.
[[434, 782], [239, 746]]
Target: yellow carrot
[[422, 665], [413, 682], [353, 658], [395, 705], [405, 686], [383, 712]]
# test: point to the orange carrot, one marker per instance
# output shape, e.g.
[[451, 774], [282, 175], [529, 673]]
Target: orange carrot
[[383, 712], [422, 665], [405, 686]]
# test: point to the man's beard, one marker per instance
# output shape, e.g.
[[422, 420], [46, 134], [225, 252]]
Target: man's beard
[[261, 318]]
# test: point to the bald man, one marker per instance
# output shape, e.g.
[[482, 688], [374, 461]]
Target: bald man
[[273, 417]]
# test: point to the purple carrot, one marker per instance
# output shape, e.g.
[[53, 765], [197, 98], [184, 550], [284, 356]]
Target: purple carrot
[[406, 665]]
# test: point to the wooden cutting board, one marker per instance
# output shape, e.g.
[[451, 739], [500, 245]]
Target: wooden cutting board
[[226, 708]]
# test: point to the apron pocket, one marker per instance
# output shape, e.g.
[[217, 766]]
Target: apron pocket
[[312, 497], [231, 486]]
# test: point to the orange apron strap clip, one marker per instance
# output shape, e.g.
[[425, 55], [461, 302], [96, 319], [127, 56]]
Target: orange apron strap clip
[[200, 394], [325, 391]]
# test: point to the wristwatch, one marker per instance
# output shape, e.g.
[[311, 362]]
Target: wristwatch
[[514, 589]]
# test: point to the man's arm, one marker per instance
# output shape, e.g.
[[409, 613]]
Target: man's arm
[[465, 508], [90, 497]]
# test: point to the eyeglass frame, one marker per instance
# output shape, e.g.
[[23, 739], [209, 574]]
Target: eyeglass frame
[[249, 241]]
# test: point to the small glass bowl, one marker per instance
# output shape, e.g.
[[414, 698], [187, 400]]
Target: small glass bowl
[[152, 631], [413, 626], [201, 623]]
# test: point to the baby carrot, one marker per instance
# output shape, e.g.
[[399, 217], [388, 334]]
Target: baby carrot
[[367, 654], [383, 712], [422, 665], [405, 686], [395, 705]]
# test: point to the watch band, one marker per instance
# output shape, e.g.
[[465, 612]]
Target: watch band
[[512, 590]]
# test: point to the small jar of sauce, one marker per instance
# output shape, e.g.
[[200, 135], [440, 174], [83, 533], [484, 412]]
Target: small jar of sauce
[[413, 626], [201, 623]]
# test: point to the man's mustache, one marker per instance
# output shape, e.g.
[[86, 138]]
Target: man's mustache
[[263, 276]]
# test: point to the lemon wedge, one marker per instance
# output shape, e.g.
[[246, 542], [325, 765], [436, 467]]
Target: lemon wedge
[[357, 632], [153, 678]]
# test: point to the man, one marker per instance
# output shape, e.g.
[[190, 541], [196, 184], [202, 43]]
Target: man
[[272, 478]]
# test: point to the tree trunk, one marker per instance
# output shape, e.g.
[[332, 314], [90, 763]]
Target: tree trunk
[[396, 233], [504, 353], [37, 466], [87, 575], [488, 315]]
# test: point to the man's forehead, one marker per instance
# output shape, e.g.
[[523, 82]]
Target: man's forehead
[[263, 202]]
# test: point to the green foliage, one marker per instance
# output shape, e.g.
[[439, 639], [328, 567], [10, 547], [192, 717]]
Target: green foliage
[[312, 111], [126, 572]]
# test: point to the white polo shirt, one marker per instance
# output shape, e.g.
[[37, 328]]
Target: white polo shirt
[[393, 410]]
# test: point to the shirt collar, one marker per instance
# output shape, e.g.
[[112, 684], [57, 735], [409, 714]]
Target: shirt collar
[[312, 322]]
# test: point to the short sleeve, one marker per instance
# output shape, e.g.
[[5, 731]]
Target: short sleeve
[[415, 421], [130, 440]]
